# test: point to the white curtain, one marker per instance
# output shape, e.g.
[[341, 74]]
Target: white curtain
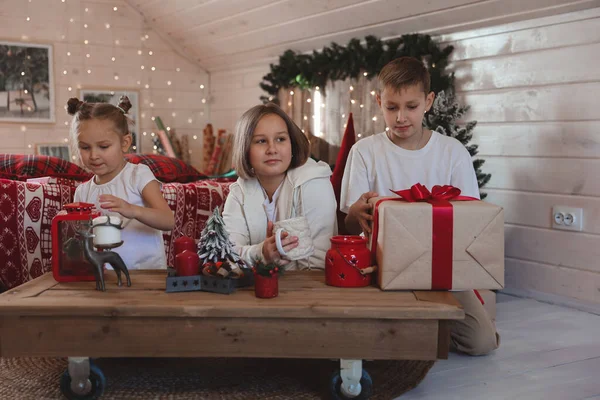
[[338, 99]]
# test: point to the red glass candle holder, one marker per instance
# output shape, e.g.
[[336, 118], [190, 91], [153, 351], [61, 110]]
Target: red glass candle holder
[[266, 287], [187, 263], [344, 260], [184, 243]]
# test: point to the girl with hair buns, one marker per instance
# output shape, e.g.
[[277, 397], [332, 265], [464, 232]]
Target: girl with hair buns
[[100, 137]]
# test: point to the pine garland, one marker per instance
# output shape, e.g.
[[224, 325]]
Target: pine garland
[[341, 62], [356, 58]]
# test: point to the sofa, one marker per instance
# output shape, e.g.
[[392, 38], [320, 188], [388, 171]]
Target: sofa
[[33, 195]]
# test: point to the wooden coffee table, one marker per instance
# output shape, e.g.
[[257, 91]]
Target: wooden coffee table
[[43, 318]]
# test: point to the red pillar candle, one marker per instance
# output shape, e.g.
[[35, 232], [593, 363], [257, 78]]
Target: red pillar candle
[[266, 287], [187, 263], [184, 243]]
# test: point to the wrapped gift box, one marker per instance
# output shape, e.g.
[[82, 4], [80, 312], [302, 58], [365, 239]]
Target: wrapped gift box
[[404, 252]]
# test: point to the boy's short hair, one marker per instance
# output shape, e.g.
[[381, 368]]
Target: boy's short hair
[[403, 72], [244, 130]]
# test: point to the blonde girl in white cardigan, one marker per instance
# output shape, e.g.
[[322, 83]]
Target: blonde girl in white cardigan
[[277, 181]]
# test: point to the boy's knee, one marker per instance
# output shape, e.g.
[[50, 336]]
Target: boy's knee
[[483, 343], [474, 338]]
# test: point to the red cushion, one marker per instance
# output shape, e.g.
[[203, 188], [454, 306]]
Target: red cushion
[[167, 169], [21, 167]]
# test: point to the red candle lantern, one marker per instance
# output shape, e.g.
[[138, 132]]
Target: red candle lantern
[[266, 287], [187, 263], [344, 261], [184, 243], [68, 260]]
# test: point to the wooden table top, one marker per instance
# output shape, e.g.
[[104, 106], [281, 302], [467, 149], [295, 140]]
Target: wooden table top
[[302, 294]]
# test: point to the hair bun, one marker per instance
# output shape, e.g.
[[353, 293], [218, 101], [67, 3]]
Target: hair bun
[[74, 105], [124, 104]]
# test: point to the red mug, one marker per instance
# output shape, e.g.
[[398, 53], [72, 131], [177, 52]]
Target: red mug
[[184, 243], [187, 263], [344, 261]]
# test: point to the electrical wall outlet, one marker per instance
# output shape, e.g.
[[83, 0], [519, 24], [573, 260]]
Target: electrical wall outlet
[[567, 218]]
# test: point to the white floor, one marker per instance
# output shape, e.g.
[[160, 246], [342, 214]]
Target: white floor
[[546, 352]]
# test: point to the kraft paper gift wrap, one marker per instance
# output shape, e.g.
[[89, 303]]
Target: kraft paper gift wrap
[[405, 242]]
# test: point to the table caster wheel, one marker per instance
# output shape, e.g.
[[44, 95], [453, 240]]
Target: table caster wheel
[[89, 390], [365, 390]]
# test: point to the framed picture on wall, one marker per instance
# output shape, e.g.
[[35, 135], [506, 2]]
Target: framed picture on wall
[[112, 97], [60, 150], [26, 83]]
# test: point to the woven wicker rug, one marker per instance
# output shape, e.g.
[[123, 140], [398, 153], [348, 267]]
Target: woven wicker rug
[[206, 378]]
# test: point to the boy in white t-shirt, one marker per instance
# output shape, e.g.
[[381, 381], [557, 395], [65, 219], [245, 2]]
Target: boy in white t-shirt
[[406, 154]]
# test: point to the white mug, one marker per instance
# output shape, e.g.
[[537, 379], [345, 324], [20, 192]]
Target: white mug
[[294, 227]]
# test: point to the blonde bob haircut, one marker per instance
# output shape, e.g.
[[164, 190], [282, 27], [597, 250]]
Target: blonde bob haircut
[[244, 130]]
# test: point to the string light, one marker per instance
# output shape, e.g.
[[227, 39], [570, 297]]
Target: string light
[[150, 53], [71, 20], [147, 86], [203, 101], [153, 69], [68, 54], [291, 92], [87, 9], [139, 52], [195, 137], [88, 55], [177, 69], [152, 134], [142, 67], [352, 101], [69, 88], [145, 133], [308, 100], [365, 74], [107, 25], [86, 41], [168, 83], [115, 8], [362, 105], [138, 82], [174, 114], [374, 118], [170, 100], [152, 105], [28, 19], [65, 72], [89, 71], [372, 93], [189, 120], [201, 86], [351, 88], [113, 59], [23, 129], [85, 26]]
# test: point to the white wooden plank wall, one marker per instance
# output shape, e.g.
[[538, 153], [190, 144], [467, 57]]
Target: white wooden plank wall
[[532, 88], [50, 24]]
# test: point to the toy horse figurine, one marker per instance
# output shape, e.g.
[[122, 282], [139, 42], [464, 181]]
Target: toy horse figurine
[[99, 258]]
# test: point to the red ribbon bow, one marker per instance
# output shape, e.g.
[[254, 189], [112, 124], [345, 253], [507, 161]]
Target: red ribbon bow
[[419, 192], [443, 222]]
